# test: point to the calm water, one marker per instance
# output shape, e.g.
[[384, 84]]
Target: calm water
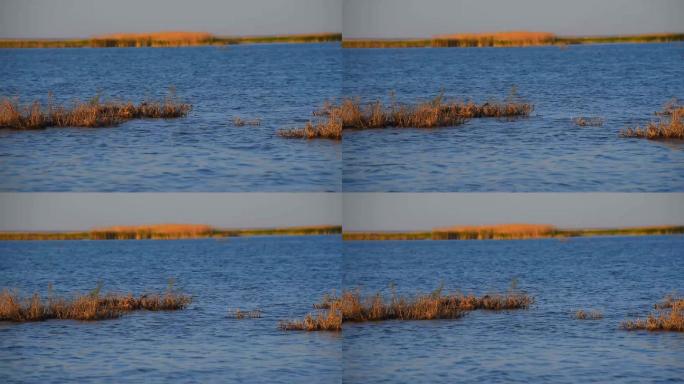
[[282, 276], [281, 84], [622, 277], [624, 84]]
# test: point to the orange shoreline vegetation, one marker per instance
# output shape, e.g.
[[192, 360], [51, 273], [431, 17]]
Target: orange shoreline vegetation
[[166, 39], [511, 232], [169, 232], [507, 39]]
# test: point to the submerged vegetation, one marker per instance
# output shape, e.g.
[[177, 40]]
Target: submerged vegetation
[[167, 39], [351, 113], [670, 125], [240, 314], [508, 39], [588, 315], [169, 232], [91, 114], [588, 121], [668, 316], [352, 306], [510, 232], [86, 307]]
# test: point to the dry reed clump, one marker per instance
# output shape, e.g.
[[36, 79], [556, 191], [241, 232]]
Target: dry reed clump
[[588, 121], [438, 112], [352, 306], [239, 122], [588, 315], [670, 126], [240, 314], [89, 307], [91, 114], [669, 316]]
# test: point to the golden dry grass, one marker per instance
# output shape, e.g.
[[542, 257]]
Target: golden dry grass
[[91, 114], [668, 316], [155, 231], [351, 113], [588, 315], [670, 126], [352, 306], [88, 307], [500, 231]]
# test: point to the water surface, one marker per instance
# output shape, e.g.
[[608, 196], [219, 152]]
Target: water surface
[[281, 276], [624, 84], [622, 277], [280, 84]]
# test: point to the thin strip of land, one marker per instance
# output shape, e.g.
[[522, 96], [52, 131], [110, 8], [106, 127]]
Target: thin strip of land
[[353, 306], [167, 39], [508, 39], [512, 232], [170, 232]]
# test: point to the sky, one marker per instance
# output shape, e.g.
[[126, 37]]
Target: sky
[[424, 211], [80, 211], [356, 211], [424, 18], [84, 18]]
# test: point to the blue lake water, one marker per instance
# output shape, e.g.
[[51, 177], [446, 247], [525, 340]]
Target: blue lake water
[[624, 84], [281, 276], [280, 84], [622, 277]]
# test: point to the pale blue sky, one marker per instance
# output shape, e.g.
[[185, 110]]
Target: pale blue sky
[[357, 211], [423, 211], [423, 18], [74, 211], [83, 18]]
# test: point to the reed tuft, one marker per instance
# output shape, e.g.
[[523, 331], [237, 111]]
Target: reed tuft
[[670, 126], [89, 307], [668, 316], [91, 114]]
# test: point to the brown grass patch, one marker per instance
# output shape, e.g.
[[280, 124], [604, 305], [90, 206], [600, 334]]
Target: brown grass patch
[[95, 113], [88, 307], [588, 315], [668, 316], [670, 125], [438, 112], [352, 306]]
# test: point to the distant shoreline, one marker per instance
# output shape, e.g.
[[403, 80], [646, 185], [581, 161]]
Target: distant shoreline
[[508, 39], [168, 39], [503, 232], [169, 232]]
